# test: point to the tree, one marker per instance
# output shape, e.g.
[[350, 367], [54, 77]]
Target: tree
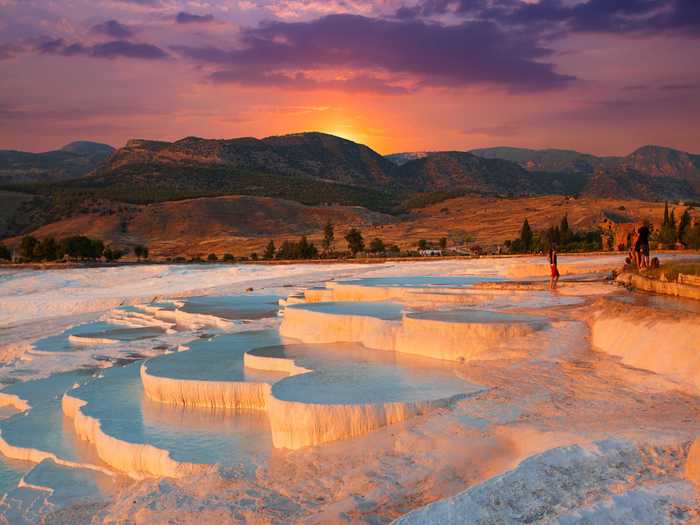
[[286, 250], [141, 251], [305, 249], [377, 246], [27, 246], [422, 244], [565, 232], [443, 243], [5, 253], [229, 257], [526, 236], [46, 250], [692, 236], [356, 243], [254, 256], [269, 251], [112, 254], [683, 225], [666, 218], [328, 237], [212, 257]]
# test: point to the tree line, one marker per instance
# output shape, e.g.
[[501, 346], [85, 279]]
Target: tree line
[[560, 236], [682, 231], [75, 247]]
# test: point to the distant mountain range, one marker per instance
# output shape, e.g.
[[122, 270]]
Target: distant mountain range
[[73, 160], [648, 173], [321, 169]]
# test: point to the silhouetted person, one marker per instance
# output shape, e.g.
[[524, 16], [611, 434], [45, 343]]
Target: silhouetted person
[[641, 247]]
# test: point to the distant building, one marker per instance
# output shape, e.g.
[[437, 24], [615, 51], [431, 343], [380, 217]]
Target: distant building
[[430, 252], [617, 231]]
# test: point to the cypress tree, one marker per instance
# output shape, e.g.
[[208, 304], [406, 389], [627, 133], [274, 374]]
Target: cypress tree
[[666, 215], [526, 235]]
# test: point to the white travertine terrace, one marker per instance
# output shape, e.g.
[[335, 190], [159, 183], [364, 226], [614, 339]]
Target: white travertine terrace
[[136, 459], [642, 338], [293, 424], [201, 393], [445, 338], [86, 340]]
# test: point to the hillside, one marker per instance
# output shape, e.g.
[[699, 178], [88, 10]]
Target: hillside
[[650, 172], [451, 171], [73, 160], [236, 224], [317, 155], [553, 160]]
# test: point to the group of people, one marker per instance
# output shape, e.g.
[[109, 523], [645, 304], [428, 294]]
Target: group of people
[[639, 249]]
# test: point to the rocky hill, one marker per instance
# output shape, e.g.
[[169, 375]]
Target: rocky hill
[[450, 171], [317, 155], [649, 172], [73, 160]]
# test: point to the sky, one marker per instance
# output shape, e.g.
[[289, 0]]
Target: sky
[[601, 76]]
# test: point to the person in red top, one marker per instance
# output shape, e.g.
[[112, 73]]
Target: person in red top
[[553, 268]]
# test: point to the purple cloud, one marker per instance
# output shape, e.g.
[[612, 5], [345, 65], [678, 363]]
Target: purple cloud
[[114, 29], [467, 54], [113, 49], [189, 18], [596, 16], [303, 82]]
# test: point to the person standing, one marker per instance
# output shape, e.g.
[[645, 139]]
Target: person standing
[[642, 246], [553, 268]]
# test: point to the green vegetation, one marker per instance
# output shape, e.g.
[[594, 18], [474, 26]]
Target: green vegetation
[[672, 270], [686, 233], [76, 247], [141, 252], [328, 237], [561, 237], [228, 257], [302, 249], [212, 257], [355, 240], [149, 183], [269, 251], [377, 246], [5, 253]]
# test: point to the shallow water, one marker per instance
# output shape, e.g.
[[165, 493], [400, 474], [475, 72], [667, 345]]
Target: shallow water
[[353, 374], [189, 434], [381, 310], [476, 316], [11, 471], [663, 302], [97, 329], [44, 427], [421, 281], [233, 307], [219, 358]]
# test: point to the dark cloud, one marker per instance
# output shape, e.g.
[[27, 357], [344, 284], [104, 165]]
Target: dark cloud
[[113, 49], [470, 53], [303, 82], [189, 18], [596, 16], [114, 29]]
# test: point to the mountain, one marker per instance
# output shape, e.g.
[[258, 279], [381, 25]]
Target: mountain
[[657, 161], [73, 160], [552, 160], [402, 158], [317, 155], [629, 183]]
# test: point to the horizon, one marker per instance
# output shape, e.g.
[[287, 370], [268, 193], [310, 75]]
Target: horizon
[[396, 75], [384, 154]]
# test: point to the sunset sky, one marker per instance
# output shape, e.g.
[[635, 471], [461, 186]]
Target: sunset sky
[[602, 76]]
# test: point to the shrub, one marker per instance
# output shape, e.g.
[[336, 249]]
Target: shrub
[[212, 257], [356, 243], [229, 257]]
